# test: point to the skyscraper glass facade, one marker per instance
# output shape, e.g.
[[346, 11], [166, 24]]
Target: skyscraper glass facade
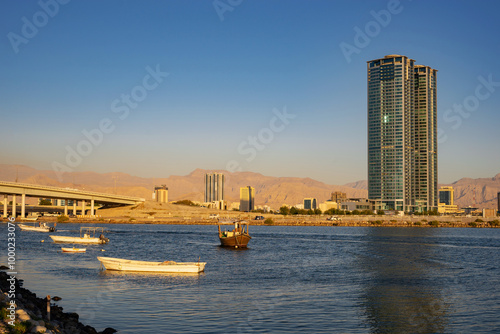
[[247, 199], [402, 144], [214, 187]]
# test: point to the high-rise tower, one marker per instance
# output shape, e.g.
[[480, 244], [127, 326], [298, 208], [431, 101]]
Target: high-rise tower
[[214, 187], [247, 199], [402, 134]]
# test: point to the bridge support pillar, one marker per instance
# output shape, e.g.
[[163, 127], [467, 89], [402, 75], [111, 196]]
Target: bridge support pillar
[[14, 206], [65, 207], [5, 202], [74, 207], [83, 208], [23, 206], [92, 213]]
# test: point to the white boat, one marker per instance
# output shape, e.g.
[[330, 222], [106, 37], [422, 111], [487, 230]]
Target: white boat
[[42, 227], [87, 236], [145, 266], [31, 219], [73, 250]]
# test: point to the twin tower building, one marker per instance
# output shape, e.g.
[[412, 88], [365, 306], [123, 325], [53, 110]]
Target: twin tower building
[[402, 134]]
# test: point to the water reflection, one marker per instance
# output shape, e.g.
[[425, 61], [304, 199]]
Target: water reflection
[[403, 293]]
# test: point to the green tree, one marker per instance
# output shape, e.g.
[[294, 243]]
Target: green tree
[[62, 219], [268, 221], [285, 210], [186, 202], [45, 201]]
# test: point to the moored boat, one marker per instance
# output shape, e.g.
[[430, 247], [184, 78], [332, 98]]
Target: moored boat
[[236, 237], [73, 250], [87, 236], [147, 266], [31, 219], [42, 227]]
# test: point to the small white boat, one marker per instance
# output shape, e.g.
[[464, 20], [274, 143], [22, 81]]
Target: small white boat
[[42, 227], [31, 219], [73, 250], [87, 236], [145, 266]]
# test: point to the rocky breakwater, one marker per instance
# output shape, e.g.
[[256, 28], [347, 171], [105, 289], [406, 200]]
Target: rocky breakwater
[[26, 313]]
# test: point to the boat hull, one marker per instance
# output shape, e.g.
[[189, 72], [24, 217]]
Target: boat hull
[[36, 228], [236, 241], [146, 266], [73, 250], [77, 240]]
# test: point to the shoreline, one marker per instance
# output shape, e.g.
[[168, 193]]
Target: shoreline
[[346, 221], [30, 313]]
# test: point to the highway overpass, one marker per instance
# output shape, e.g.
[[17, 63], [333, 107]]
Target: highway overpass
[[24, 190]]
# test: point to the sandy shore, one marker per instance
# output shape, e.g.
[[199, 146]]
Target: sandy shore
[[151, 212]]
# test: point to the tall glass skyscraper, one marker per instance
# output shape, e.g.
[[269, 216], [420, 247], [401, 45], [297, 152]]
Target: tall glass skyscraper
[[402, 134], [247, 199], [214, 187]]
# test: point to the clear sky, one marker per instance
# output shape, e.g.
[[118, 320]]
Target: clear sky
[[159, 88]]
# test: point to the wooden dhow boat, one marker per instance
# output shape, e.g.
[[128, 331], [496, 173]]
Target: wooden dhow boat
[[42, 227], [234, 234], [87, 236], [147, 266]]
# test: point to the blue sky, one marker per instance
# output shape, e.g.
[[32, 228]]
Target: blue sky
[[234, 69]]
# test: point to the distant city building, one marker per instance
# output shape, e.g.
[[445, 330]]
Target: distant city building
[[338, 196], [219, 205], [471, 210], [214, 187], [489, 213], [234, 206], [351, 204], [402, 134], [62, 202], [325, 206], [265, 208], [446, 201], [498, 199], [310, 204], [161, 194], [446, 195], [247, 199]]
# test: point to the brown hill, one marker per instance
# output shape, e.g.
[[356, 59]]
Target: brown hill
[[272, 191], [480, 193]]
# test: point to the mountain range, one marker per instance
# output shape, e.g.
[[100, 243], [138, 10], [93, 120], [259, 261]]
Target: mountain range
[[271, 191]]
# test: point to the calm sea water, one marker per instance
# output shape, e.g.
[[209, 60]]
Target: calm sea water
[[291, 279]]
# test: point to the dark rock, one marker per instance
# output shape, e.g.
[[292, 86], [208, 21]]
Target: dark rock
[[65, 322], [88, 330], [108, 330]]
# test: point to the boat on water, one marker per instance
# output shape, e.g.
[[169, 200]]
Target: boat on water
[[234, 234], [73, 250], [87, 236], [40, 227], [31, 219], [147, 266]]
